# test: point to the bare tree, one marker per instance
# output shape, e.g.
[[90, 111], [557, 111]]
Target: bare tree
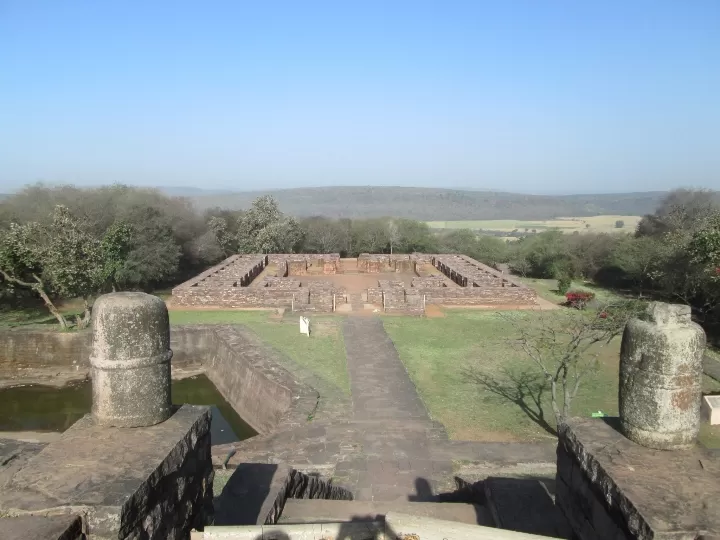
[[565, 346], [393, 234]]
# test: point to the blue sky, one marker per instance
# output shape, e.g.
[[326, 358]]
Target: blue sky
[[535, 96]]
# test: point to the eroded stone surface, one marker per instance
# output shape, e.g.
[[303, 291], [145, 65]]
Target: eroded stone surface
[[661, 367], [610, 487], [130, 360], [152, 482], [41, 528]]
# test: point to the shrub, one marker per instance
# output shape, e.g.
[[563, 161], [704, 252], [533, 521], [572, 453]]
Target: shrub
[[578, 299], [619, 224], [564, 283]]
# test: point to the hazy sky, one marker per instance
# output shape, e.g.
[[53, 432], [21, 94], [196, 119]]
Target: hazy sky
[[529, 96]]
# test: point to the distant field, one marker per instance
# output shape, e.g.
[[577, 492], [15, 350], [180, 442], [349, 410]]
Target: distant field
[[566, 224]]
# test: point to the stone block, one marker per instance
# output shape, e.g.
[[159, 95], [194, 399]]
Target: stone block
[[710, 409], [149, 482], [645, 493]]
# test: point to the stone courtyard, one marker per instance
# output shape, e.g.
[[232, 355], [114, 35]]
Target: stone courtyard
[[403, 284]]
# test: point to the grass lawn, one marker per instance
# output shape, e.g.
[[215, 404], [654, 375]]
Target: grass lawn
[[444, 357], [38, 316], [323, 353], [547, 289]]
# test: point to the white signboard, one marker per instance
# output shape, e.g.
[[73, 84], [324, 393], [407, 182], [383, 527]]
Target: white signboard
[[305, 326]]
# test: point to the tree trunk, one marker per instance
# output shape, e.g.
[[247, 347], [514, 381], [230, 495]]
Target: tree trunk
[[51, 307], [84, 322]]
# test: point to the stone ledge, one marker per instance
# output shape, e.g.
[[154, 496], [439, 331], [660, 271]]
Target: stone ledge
[[154, 482], [651, 494], [41, 528]]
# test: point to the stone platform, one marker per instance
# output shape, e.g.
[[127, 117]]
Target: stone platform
[[150, 482], [610, 487]]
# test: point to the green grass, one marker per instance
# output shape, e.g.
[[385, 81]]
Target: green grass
[[568, 225], [444, 355], [37, 317], [547, 289], [323, 353]]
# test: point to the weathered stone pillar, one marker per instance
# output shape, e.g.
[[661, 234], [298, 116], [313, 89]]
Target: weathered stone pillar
[[130, 360], [661, 378]]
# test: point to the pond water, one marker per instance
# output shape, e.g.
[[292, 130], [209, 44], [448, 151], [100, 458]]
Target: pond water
[[45, 408]]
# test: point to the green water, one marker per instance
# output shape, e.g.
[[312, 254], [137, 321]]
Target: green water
[[45, 408]]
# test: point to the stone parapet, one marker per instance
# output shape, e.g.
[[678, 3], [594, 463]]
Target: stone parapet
[[148, 482], [609, 487]]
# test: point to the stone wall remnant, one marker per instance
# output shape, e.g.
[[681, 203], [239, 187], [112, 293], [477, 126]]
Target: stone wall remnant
[[292, 283], [608, 486], [130, 360], [661, 367]]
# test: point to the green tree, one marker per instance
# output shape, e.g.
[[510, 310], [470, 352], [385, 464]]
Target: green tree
[[619, 224], [21, 255], [115, 247], [154, 256], [60, 258], [415, 236], [72, 260], [544, 255], [226, 240], [265, 229], [324, 235]]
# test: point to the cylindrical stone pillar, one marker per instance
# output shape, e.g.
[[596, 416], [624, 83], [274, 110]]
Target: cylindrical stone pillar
[[130, 360], [661, 378]]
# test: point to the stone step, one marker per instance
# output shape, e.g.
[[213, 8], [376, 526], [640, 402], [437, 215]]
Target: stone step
[[327, 511], [256, 492], [524, 505]]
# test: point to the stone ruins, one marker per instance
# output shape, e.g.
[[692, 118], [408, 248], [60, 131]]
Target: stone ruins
[[368, 465], [326, 283]]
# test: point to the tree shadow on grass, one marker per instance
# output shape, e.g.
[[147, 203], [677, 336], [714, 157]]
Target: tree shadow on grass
[[523, 388]]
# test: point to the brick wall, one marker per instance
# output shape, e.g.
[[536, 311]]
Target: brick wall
[[297, 267], [476, 296], [372, 263], [316, 263]]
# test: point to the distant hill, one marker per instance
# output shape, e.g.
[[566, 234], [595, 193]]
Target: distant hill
[[435, 204], [182, 191]]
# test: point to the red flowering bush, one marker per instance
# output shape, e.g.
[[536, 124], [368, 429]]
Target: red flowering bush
[[578, 299]]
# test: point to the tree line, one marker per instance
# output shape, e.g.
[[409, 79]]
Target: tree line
[[673, 255], [67, 242]]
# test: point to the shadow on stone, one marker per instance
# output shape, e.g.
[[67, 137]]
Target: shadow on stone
[[244, 499], [525, 505], [465, 492]]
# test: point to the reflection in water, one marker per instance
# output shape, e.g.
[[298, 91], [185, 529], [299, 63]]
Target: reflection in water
[[44, 408]]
